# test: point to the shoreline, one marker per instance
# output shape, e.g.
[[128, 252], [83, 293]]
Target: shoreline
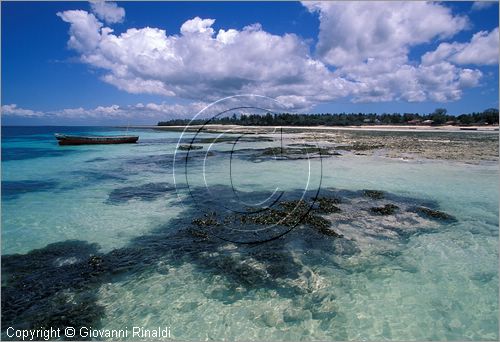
[[429, 142], [271, 129]]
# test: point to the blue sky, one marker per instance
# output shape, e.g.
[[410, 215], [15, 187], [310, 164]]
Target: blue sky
[[312, 64]]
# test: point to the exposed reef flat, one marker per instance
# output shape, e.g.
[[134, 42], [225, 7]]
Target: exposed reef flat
[[459, 146], [394, 142]]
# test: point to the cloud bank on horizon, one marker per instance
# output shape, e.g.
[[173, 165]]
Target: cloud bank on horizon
[[362, 54]]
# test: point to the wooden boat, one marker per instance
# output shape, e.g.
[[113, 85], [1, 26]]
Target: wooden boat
[[86, 140], [468, 128]]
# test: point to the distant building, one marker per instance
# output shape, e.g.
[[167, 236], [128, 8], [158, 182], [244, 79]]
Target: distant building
[[427, 122]]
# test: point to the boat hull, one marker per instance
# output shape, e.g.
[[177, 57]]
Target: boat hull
[[82, 140]]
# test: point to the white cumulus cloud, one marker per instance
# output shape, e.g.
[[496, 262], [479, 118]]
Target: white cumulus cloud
[[14, 110], [202, 64], [480, 5], [108, 11], [362, 54], [353, 31], [481, 50], [153, 111], [150, 111], [84, 32]]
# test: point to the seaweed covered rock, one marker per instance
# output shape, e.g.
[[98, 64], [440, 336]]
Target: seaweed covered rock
[[387, 209], [298, 152], [336, 213], [434, 214], [296, 205], [207, 220], [374, 194], [189, 147], [287, 214], [198, 233], [54, 286], [232, 139], [321, 225], [145, 192], [328, 205]]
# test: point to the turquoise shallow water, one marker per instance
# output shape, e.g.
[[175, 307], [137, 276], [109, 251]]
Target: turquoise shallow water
[[437, 283]]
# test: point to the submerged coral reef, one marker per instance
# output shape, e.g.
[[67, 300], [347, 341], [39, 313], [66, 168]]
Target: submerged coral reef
[[56, 285]]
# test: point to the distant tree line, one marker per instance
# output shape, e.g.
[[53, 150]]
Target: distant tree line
[[438, 117]]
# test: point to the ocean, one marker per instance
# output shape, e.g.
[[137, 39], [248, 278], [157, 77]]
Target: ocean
[[119, 236]]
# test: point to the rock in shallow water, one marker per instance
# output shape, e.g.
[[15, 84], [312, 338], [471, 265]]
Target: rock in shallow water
[[375, 194], [189, 147], [145, 192], [387, 209], [434, 214], [335, 213], [14, 189], [328, 205], [40, 291]]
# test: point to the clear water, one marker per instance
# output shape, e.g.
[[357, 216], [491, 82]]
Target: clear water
[[436, 285]]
